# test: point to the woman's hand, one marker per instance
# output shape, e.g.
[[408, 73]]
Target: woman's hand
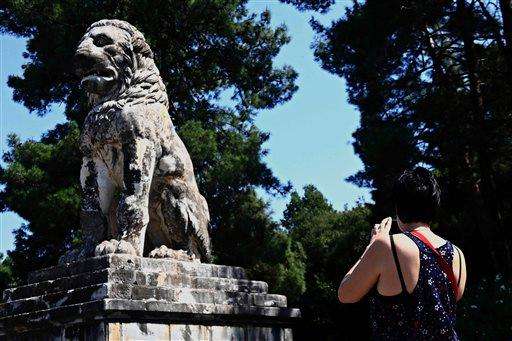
[[380, 230]]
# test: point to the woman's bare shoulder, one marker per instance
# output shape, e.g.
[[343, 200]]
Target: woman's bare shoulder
[[402, 238], [378, 250], [405, 245]]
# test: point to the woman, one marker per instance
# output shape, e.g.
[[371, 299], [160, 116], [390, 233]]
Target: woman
[[413, 278]]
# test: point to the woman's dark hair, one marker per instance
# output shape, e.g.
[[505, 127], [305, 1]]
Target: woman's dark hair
[[416, 195]]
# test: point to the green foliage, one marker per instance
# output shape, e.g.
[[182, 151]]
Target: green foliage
[[205, 50], [283, 266], [41, 185], [432, 84], [332, 242], [431, 80], [6, 277]]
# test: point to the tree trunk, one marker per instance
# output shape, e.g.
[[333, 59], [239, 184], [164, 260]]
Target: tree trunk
[[494, 231], [506, 15], [440, 78]]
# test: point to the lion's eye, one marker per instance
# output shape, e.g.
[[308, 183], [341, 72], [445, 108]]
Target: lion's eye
[[101, 40]]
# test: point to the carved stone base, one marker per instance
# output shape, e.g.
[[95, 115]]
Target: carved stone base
[[119, 297]]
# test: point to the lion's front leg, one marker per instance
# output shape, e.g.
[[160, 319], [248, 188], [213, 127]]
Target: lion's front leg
[[92, 219], [132, 213]]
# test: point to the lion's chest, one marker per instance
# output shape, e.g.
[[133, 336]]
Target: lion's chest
[[101, 128]]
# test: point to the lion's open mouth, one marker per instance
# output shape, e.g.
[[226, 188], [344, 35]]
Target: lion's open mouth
[[99, 75]]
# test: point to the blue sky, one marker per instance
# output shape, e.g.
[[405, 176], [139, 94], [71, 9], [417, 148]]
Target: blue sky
[[310, 134]]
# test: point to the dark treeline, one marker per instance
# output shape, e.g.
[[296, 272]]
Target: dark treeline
[[431, 80]]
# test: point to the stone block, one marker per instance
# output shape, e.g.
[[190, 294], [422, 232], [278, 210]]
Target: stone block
[[139, 331], [143, 292], [126, 297], [120, 290], [269, 300], [287, 335], [265, 333], [230, 333], [205, 333], [126, 276], [56, 285], [184, 332]]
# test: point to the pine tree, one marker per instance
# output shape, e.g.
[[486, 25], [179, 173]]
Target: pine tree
[[431, 82], [331, 241], [216, 60]]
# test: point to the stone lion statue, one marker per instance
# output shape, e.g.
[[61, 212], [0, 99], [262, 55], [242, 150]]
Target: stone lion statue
[[140, 195]]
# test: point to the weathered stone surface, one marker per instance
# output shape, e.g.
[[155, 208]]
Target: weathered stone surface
[[139, 331], [54, 300], [229, 333], [266, 333], [152, 294], [135, 277], [128, 262], [149, 296], [144, 331], [201, 308]]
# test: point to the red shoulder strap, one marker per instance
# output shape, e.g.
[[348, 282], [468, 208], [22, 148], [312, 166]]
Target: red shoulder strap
[[443, 264]]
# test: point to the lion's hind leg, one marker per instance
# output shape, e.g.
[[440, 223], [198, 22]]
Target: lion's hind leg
[[186, 217]]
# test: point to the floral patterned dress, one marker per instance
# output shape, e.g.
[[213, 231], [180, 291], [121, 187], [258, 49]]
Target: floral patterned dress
[[428, 313]]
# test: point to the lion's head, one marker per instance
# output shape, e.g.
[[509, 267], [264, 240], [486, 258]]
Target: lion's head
[[115, 63]]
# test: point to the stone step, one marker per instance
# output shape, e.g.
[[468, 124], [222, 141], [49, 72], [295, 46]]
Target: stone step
[[193, 296], [53, 300], [120, 261], [51, 286], [199, 308], [131, 276], [155, 309], [140, 293]]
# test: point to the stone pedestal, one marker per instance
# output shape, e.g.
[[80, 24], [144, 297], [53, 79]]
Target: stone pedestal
[[120, 297]]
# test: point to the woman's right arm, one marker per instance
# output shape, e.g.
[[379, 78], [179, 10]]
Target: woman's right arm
[[365, 273]]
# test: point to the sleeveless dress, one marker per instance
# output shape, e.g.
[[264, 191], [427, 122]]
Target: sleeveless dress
[[428, 313]]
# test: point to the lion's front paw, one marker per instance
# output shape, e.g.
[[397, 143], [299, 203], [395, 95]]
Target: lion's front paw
[[126, 248], [164, 252], [106, 247], [159, 252], [115, 246]]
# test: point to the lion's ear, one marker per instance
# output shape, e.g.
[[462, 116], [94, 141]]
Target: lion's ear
[[141, 47]]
